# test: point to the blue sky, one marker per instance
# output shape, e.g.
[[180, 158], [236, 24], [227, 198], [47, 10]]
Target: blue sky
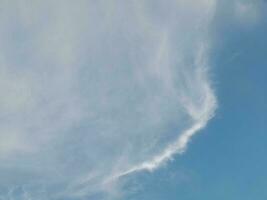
[[123, 100], [228, 159]]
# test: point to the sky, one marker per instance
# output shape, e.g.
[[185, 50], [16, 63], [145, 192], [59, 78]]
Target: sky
[[110, 100]]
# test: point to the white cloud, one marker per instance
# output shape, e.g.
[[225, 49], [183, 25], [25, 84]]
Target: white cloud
[[247, 12], [95, 90]]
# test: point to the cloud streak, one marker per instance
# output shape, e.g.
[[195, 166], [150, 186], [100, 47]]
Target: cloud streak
[[93, 91], [200, 117]]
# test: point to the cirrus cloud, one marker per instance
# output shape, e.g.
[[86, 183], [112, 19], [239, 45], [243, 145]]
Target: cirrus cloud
[[95, 90]]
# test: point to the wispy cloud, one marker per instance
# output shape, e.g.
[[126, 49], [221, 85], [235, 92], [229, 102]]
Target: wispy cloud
[[93, 91], [247, 12]]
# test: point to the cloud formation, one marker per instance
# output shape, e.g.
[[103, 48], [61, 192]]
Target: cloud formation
[[95, 90], [247, 12]]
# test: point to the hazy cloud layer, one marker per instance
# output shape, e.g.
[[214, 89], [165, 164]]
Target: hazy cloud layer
[[94, 90]]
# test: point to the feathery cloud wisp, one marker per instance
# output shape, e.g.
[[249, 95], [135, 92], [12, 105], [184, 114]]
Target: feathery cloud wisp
[[94, 91]]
